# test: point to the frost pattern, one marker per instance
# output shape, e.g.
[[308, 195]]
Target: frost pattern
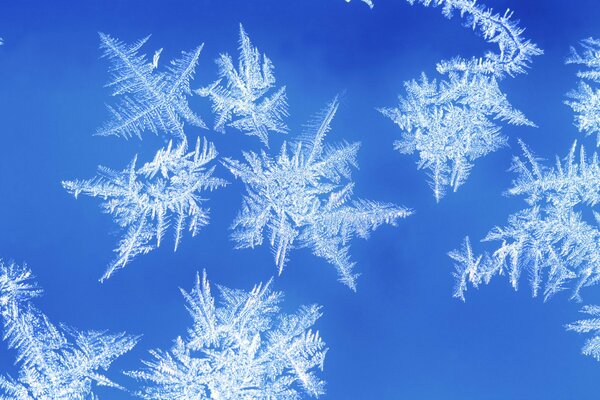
[[241, 101], [242, 348], [150, 100], [585, 100], [454, 122], [590, 325], [451, 124], [57, 363], [551, 238], [147, 200], [367, 2], [301, 200]]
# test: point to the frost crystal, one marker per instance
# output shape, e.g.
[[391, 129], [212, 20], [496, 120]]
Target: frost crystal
[[150, 100], [591, 325], [302, 203], [451, 124], [242, 349], [147, 200], [585, 100], [241, 102], [551, 238], [57, 363], [367, 2]]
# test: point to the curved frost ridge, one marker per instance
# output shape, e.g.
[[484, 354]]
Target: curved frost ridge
[[551, 238], [585, 100], [146, 201], [241, 101], [302, 199], [243, 347], [150, 100], [55, 362]]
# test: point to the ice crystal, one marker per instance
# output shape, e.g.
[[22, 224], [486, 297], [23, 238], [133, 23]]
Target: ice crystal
[[57, 363], [585, 100], [242, 102], [590, 325], [301, 200], [552, 238], [146, 200], [151, 100], [451, 124], [242, 348], [454, 122]]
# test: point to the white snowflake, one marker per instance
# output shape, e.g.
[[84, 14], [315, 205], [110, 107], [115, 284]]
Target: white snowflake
[[57, 363], [585, 100], [451, 124], [242, 349], [147, 200], [551, 238], [301, 201], [151, 100], [241, 102]]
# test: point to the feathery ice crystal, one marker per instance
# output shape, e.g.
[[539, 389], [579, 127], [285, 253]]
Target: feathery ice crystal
[[300, 199], [146, 200], [241, 349]]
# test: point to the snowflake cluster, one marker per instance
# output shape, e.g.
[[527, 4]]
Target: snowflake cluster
[[551, 238], [58, 363], [300, 199], [241, 349]]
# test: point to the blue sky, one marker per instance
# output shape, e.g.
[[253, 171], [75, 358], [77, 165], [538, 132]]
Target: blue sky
[[401, 335]]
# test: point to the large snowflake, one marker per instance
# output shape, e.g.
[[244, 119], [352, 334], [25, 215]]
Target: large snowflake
[[451, 124], [585, 100], [57, 363], [301, 200], [151, 100], [146, 201], [242, 102], [552, 238], [242, 349]]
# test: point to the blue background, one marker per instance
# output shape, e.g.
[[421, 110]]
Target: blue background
[[401, 336]]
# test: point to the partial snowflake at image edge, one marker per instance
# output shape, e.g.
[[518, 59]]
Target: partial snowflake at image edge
[[242, 102], [551, 238], [585, 100], [244, 348], [58, 363], [301, 200], [150, 100], [145, 201]]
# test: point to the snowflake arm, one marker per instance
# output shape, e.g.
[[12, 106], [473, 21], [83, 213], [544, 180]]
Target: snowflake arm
[[145, 201], [55, 362], [241, 348], [150, 100], [242, 102]]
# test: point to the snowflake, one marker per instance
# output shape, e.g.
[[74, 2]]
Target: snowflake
[[243, 348], [57, 363], [551, 238], [451, 124], [242, 102], [592, 346], [145, 200], [301, 201], [150, 100], [585, 100]]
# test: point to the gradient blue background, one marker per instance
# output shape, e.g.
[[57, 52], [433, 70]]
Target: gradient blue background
[[401, 336]]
